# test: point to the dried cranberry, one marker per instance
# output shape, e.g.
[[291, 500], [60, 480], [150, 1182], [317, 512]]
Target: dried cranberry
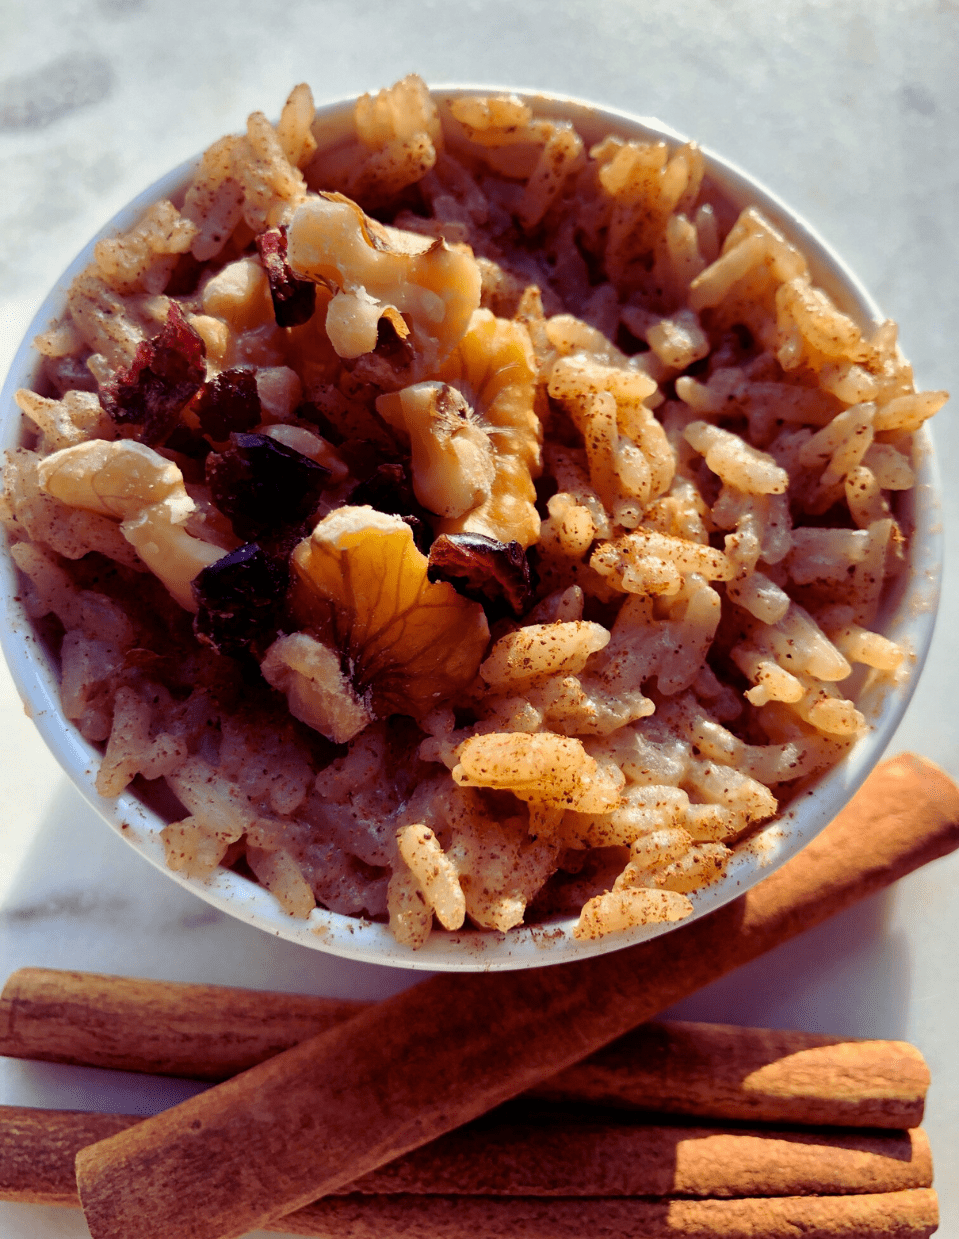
[[166, 372], [294, 300], [262, 485], [240, 600], [186, 442], [483, 569], [227, 403]]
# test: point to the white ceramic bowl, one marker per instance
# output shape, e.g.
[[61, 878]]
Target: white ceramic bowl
[[908, 617]]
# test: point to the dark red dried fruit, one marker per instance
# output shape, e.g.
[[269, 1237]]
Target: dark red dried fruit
[[167, 372], [227, 403], [294, 300], [483, 569], [183, 441], [262, 485], [240, 600]]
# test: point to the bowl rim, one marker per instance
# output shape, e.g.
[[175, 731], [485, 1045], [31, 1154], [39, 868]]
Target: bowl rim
[[912, 622]]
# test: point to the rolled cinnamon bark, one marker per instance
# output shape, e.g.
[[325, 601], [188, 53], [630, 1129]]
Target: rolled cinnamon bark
[[521, 1156], [708, 1070], [512, 1154], [892, 1215], [206, 1032], [38, 1149], [755, 1074], [399, 1074]]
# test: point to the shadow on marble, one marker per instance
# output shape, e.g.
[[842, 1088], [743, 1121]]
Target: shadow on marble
[[61, 1086], [850, 976], [60, 87]]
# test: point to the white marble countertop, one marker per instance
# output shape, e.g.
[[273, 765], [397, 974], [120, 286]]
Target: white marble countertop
[[849, 112]]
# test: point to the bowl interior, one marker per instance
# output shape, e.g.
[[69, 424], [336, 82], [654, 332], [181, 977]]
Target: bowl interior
[[908, 618]]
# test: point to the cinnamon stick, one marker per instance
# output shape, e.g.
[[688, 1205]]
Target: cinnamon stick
[[891, 1215], [206, 1032], [399, 1074], [38, 1149], [752, 1074], [533, 1157], [512, 1154], [209, 1032], [910, 1214]]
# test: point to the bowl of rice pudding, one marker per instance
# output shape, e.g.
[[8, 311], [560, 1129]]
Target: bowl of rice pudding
[[462, 529]]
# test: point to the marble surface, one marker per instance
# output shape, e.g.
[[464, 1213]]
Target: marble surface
[[849, 112]]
